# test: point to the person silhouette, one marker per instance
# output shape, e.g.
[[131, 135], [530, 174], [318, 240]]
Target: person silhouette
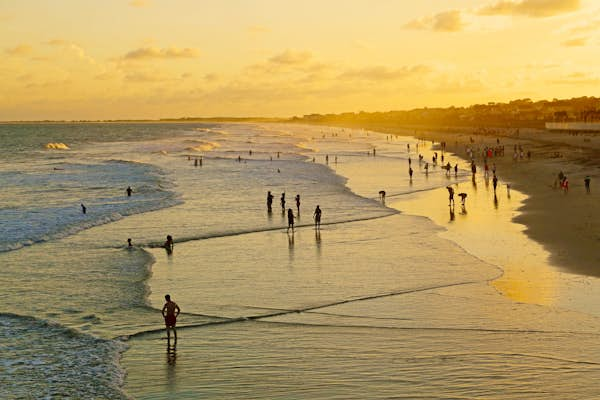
[[269, 201], [317, 217], [290, 215]]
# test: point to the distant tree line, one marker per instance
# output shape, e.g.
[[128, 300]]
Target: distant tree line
[[517, 113]]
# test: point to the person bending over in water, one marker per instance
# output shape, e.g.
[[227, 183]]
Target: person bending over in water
[[170, 311], [463, 197], [169, 244], [317, 217]]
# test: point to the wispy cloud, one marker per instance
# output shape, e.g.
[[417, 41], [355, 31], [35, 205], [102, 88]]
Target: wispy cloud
[[531, 8], [447, 21], [381, 73], [257, 29], [291, 57], [576, 42], [72, 48], [146, 53], [585, 27], [140, 3], [19, 50], [577, 78], [144, 77]]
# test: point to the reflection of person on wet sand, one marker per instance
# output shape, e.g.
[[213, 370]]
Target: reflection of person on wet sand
[[452, 212], [170, 311], [171, 352]]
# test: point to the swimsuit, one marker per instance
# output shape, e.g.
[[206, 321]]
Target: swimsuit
[[170, 320]]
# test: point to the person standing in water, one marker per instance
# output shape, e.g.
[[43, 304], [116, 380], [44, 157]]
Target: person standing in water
[[587, 183], [129, 244], [83, 208], [282, 202], [450, 195], [298, 203], [169, 244], [290, 215], [170, 311], [317, 217], [495, 182], [129, 190], [269, 201]]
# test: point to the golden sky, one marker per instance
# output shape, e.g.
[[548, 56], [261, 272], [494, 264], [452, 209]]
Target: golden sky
[[114, 59]]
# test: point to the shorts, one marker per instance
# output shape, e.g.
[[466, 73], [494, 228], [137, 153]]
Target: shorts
[[170, 320]]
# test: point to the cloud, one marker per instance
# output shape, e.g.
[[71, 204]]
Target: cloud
[[291, 57], [144, 77], [577, 78], [577, 42], [286, 61], [531, 8], [447, 21], [586, 27], [140, 3], [257, 29], [145, 53], [381, 73], [211, 77], [71, 48], [20, 50]]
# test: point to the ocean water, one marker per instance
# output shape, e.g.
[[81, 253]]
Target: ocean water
[[402, 298]]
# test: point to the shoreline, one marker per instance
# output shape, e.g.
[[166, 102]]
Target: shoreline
[[564, 223]]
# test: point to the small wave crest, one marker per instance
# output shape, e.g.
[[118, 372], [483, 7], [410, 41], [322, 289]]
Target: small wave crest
[[56, 146], [201, 145]]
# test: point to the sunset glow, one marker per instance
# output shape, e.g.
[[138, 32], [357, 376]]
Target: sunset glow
[[121, 59]]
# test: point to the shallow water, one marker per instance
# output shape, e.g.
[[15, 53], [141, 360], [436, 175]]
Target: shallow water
[[375, 304]]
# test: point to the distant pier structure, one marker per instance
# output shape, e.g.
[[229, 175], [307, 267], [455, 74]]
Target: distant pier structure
[[573, 126]]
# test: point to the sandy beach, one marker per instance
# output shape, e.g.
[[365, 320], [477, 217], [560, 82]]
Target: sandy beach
[[566, 223]]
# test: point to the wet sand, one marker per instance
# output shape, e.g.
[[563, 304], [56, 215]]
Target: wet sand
[[370, 309], [566, 224]]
